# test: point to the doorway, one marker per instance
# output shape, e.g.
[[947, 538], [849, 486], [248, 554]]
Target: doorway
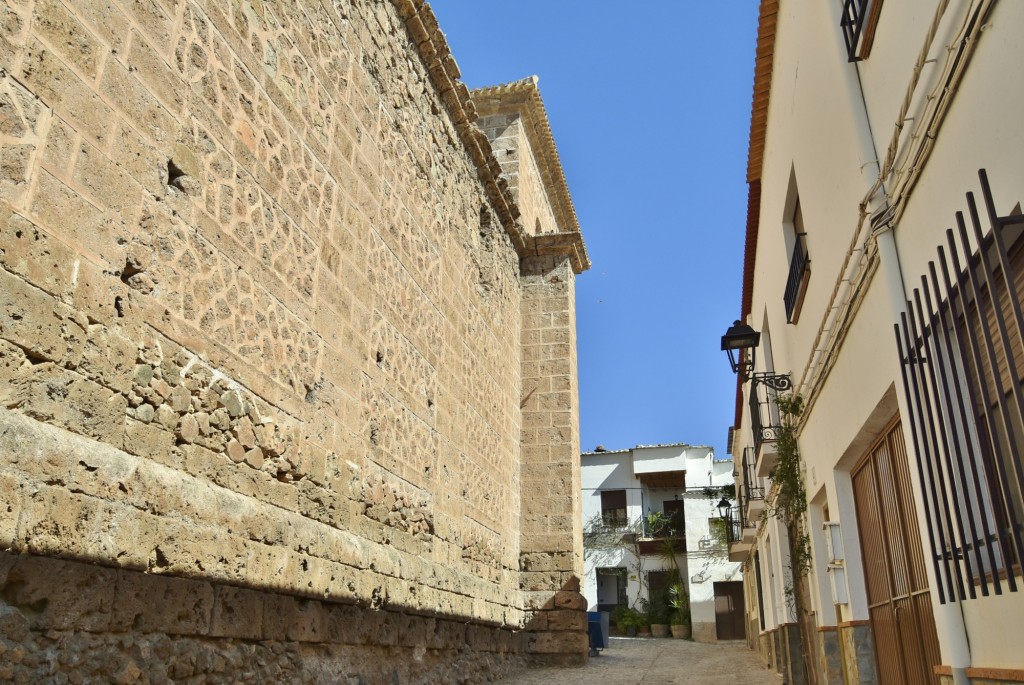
[[730, 614], [611, 588], [899, 603]]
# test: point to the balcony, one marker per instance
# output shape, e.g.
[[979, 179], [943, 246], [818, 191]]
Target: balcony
[[659, 534], [796, 282], [765, 419], [739, 551], [741, 534], [750, 488]]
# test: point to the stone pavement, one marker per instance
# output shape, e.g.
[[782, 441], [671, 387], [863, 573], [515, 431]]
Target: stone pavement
[[642, 661]]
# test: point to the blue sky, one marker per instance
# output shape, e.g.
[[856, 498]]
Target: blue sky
[[650, 109]]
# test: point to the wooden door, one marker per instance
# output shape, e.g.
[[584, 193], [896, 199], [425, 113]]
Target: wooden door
[[899, 603], [730, 615]]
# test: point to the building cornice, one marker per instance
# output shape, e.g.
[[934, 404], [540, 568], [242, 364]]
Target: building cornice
[[433, 49], [523, 97], [764, 62]]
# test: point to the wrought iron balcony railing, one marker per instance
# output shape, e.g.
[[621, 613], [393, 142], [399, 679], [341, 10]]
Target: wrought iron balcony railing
[[736, 523], [752, 485], [796, 282], [765, 419]]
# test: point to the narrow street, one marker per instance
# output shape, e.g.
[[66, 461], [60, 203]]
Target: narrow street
[[642, 661]]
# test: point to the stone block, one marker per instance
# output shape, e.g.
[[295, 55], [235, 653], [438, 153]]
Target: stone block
[[59, 28], [568, 643], [121, 87], [289, 618], [151, 441], [34, 255], [10, 507], [108, 358], [58, 595], [161, 604], [37, 323], [345, 625], [62, 211], [60, 88], [66, 399], [105, 183]]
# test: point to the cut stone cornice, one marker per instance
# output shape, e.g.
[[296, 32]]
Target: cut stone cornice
[[566, 243], [523, 97], [426, 35]]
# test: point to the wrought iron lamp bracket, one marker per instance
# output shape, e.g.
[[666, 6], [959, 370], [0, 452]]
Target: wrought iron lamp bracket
[[776, 381]]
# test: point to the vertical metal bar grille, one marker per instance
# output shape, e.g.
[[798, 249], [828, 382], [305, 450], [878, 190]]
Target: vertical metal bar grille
[[961, 345], [754, 488], [796, 281]]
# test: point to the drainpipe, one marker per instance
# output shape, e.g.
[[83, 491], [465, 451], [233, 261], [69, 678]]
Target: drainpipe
[[949, 620]]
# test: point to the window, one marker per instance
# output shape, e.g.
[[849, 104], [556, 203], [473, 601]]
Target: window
[[613, 508], [860, 17], [674, 512], [962, 349], [799, 267]]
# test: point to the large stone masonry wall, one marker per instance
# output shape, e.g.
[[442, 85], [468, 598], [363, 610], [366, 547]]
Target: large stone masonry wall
[[259, 323]]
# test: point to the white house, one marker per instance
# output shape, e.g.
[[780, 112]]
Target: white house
[[885, 173], [624, 491]]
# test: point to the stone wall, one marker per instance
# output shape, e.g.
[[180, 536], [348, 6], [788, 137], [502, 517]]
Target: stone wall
[[260, 329]]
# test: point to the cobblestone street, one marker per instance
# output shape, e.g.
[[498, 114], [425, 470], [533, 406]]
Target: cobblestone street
[[639, 661]]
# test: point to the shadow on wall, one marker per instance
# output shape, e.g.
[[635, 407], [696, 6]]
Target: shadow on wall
[[120, 625], [556, 633]]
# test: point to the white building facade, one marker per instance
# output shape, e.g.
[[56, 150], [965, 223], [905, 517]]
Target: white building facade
[[623, 491], [877, 126]]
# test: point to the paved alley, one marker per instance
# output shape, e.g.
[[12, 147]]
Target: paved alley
[[639, 661]]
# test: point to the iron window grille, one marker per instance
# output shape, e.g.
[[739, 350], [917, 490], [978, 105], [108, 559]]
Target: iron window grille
[[796, 281], [961, 346], [858, 25]]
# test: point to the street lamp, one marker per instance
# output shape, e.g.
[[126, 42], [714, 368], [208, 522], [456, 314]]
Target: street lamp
[[740, 342], [724, 508]]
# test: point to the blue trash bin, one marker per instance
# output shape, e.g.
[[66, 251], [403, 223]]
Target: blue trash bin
[[597, 629]]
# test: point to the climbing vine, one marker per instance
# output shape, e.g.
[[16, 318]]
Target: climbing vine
[[787, 502]]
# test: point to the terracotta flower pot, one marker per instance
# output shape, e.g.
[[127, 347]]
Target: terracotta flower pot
[[659, 629], [644, 631], [680, 631]]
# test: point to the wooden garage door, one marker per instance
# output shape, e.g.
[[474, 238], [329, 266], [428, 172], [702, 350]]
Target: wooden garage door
[[894, 566]]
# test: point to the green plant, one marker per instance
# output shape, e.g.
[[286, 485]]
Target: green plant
[[787, 502], [630, 618], [657, 523], [716, 492], [679, 600], [719, 531]]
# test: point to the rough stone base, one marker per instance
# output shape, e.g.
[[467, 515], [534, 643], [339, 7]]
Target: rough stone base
[[793, 671], [858, 653], [830, 655], [982, 676], [60, 624], [705, 631]]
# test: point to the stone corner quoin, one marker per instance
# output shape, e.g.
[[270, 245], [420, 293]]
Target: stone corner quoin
[[288, 375]]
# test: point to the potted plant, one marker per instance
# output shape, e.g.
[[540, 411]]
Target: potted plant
[[644, 629], [629, 621], [679, 600]]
